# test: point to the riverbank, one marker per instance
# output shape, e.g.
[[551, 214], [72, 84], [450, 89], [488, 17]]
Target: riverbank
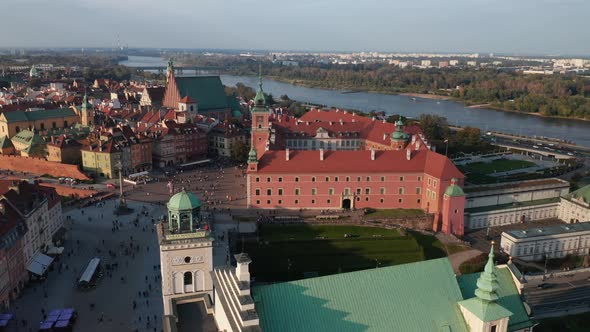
[[426, 96], [467, 103]]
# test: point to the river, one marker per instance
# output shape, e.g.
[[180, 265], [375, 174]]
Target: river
[[455, 112]]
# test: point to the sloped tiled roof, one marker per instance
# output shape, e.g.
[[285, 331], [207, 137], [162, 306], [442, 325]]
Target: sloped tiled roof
[[208, 91], [358, 161], [18, 116], [412, 297]]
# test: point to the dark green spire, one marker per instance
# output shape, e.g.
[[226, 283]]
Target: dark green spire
[[487, 284], [259, 100], [170, 68], [85, 104]]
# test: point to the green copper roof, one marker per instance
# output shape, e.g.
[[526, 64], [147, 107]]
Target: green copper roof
[[583, 193], [412, 297], [454, 190], [508, 296], [206, 90], [18, 116], [399, 135], [183, 201], [27, 137], [252, 156], [484, 305]]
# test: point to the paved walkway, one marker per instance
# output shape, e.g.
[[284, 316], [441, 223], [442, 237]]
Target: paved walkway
[[460, 257]]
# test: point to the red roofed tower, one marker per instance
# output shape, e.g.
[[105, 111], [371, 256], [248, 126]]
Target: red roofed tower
[[260, 122]]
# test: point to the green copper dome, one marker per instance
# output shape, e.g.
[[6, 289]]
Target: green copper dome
[[454, 189], [252, 156], [399, 135], [183, 201]]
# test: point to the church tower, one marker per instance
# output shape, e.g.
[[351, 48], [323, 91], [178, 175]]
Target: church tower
[[87, 112], [186, 253], [260, 120], [482, 313]]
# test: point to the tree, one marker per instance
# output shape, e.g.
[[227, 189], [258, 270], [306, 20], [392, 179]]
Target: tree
[[435, 127], [239, 152]]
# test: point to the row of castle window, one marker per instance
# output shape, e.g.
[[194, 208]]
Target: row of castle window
[[329, 201], [359, 191], [300, 143], [336, 179]]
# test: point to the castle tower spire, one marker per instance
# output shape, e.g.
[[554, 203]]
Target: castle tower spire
[[169, 69], [259, 100]]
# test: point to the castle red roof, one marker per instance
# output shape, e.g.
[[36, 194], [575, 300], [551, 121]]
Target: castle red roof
[[336, 123], [358, 161]]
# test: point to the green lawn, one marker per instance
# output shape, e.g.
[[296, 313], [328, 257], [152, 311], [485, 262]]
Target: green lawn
[[498, 165], [574, 323], [286, 252], [393, 213]]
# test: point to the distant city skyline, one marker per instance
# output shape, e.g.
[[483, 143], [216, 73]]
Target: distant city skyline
[[541, 27]]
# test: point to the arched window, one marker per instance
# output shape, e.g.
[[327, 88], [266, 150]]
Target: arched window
[[188, 278]]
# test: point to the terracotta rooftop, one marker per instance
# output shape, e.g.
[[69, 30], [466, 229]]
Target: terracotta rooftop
[[40, 167], [358, 161]]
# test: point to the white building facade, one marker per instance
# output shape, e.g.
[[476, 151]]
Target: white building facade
[[536, 244]]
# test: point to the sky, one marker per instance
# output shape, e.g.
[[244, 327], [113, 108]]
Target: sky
[[548, 27]]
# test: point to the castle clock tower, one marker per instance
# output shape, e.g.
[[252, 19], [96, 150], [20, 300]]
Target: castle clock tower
[[260, 121]]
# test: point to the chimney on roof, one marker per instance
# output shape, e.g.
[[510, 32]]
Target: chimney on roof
[[345, 112], [337, 110], [408, 154], [307, 123], [413, 139], [353, 120], [287, 154], [372, 154], [353, 113], [384, 136], [384, 121], [373, 118], [331, 123], [321, 154]]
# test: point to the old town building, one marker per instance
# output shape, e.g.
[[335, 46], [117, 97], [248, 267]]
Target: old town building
[[338, 160], [13, 273], [13, 122], [224, 136], [40, 208], [177, 143], [65, 150], [102, 158]]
